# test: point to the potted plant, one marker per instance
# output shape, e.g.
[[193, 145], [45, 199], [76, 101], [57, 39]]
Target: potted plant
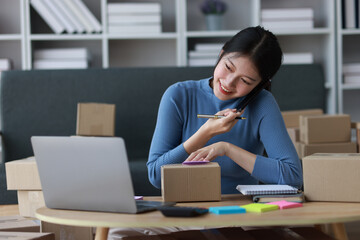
[[214, 11]]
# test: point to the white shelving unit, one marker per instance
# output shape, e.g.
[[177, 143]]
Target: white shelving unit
[[12, 32], [243, 13], [183, 25], [348, 50]]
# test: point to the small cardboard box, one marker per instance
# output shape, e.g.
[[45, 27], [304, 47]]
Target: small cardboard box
[[294, 134], [309, 149], [325, 129], [65, 232], [18, 224], [26, 236], [22, 175], [29, 201], [95, 119], [190, 183], [291, 118], [332, 177], [358, 139], [356, 126]]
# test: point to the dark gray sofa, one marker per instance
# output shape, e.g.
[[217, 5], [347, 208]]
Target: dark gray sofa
[[45, 103]]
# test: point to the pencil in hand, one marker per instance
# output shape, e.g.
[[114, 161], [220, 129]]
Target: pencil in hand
[[216, 116]]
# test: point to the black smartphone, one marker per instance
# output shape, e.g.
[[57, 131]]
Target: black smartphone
[[252, 95]]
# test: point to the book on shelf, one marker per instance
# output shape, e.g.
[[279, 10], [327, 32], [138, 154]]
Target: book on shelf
[[208, 47], [298, 58], [351, 68], [60, 63], [135, 28], [265, 189], [197, 62], [73, 7], [202, 54], [288, 24], [134, 19], [297, 197], [88, 15], [287, 13], [52, 6], [352, 79], [349, 14], [144, 8], [69, 15], [62, 53], [47, 15], [5, 64]]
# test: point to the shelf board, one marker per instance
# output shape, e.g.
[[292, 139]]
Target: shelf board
[[228, 33], [166, 35], [351, 86], [313, 31], [350, 31], [56, 37], [5, 37]]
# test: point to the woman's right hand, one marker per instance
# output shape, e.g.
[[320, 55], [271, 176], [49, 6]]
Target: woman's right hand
[[222, 125]]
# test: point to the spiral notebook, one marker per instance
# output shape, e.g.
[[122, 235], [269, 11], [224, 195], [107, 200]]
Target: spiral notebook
[[266, 189]]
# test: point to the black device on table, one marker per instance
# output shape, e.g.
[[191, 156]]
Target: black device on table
[[177, 211]]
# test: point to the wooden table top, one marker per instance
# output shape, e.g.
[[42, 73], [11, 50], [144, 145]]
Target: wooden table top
[[310, 213]]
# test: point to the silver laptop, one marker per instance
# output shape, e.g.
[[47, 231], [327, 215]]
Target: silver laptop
[[87, 173]]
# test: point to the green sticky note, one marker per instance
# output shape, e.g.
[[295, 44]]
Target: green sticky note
[[260, 207]]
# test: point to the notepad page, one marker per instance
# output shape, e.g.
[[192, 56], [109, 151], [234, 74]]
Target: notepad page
[[266, 189]]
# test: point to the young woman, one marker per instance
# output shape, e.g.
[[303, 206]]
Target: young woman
[[250, 57]]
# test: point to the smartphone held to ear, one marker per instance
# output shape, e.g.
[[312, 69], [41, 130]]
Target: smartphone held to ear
[[248, 99]]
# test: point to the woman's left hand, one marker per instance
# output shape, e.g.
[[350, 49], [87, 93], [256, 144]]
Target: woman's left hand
[[208, 153]]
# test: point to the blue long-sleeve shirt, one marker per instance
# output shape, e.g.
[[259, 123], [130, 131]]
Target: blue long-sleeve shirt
[[263, 128]]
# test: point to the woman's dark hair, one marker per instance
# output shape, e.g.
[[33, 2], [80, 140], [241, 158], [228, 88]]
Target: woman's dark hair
[[260, 45]]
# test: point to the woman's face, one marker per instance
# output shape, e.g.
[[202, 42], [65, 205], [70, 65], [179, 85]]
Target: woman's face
[[235, 76]]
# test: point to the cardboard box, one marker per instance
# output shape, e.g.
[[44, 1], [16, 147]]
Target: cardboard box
[[18, 224], [65, 232], [26, 236], [29, 201], [309, 149], [95, 119], [356, 126], [22, 175], [190, 183], [358, 139], [332, 177], [294, 134], [291, 118], [325, 129], [298, 149]]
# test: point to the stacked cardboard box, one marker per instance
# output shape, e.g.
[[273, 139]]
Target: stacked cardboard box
[[356, 126], [191, 183], [325, 134], [95, 119], [332, 177], [23, 176], [18, 227], [292, 123]]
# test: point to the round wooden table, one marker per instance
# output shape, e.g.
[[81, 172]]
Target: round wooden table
[[312, 213]]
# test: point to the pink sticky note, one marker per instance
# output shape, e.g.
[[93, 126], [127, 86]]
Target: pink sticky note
[[285, 204]]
